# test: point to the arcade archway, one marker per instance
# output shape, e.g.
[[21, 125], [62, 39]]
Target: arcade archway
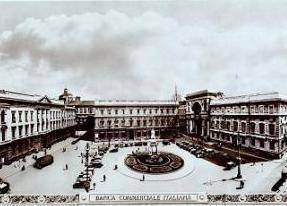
[[197, 126]]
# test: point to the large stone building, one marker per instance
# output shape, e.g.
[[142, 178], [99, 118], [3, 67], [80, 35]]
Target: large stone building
[[128, 119], [31, 122], [135, 119], [257, 121]]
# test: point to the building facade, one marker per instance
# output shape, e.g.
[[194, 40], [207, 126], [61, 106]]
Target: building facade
[[197, 112], [32, 122], [115, 119], [257, 122], [135, 119]]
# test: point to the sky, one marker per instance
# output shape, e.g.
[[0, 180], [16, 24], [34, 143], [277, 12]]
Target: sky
[[142, 49]]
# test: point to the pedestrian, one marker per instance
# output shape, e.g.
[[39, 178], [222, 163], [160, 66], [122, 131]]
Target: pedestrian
[[241, 183], [143, 179], [104, 178], [66, 166], [94, 185], [23, 168], [116, 167]]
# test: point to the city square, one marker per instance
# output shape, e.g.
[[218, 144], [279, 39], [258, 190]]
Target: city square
[[202, 175], [143, 102]]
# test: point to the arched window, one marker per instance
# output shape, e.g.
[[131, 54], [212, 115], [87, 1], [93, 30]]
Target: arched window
[[228, 125], [235, 126], [271, 129], [252, 127], [243, 126], [262, 128]]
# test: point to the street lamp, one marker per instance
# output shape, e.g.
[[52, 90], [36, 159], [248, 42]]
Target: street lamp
[[239, 176], [87, 160]]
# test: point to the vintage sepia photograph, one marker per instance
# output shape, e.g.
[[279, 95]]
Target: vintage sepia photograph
[[143, 102]]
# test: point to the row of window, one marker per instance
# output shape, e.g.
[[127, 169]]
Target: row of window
[[26, 130], [53, 115], [128, 111], [252, 141], [234, 126], [138, 123], [244, 109]]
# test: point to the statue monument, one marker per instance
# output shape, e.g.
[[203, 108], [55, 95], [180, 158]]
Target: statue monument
[[152, 143]]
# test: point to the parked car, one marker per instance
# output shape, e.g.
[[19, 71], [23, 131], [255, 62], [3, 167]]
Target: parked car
[[44, 161], [96, 161], [193, 151], [229, 165], [115, 149], [4, 187]]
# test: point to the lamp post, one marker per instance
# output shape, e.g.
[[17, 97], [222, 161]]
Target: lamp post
[[87, 161], [239, 176]]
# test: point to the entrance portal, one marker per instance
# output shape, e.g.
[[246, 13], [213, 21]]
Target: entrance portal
[[197, 126]]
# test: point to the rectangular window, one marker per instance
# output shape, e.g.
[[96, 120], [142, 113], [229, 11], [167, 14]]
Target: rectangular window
[[3, 133], [20, 116], [26, 116], [131, 111], [13, 116], [31, 116], [271, 129], [253, 141], [262, 143], [13, 129], [32, 129], [26, 130], [272, 145], [102, 111], [20, 130]]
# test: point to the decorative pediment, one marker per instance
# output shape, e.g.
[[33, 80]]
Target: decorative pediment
[[45, 99]]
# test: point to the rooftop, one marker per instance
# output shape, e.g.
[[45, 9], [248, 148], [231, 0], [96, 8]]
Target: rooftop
[[257, 97], [17, 96], [135, 102]]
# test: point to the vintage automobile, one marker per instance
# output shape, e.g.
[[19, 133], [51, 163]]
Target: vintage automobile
[[113, 150], [44, 161], [166, 142], [4, 187], [96, 162], [229, 165], [82, 185]]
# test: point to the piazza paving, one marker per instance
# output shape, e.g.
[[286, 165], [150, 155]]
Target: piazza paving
[[196, 175]]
